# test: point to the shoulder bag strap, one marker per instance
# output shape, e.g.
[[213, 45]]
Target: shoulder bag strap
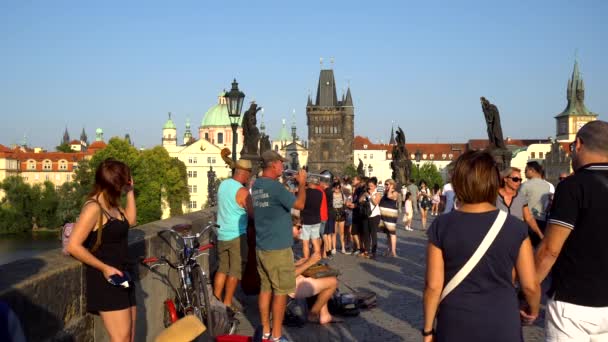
[[99, 225], [479, 253]]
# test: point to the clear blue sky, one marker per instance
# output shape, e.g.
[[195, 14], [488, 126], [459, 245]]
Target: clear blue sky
[[123, 65]]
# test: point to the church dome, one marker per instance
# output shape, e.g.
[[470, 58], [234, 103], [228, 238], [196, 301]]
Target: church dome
[[218, 114], [284, 133], [169, 124]]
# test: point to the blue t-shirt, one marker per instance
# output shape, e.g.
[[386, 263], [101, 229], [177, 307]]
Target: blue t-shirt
[[231, 217], [272, 205]]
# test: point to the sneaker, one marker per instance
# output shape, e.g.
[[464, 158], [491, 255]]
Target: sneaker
[[343, 251], [333, 251], [409, 229], [279, 339], [357, 252]]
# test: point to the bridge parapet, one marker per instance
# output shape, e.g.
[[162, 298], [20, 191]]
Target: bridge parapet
[[47, 291]]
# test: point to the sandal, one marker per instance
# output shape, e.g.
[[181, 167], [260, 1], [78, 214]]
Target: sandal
[[316, 320]]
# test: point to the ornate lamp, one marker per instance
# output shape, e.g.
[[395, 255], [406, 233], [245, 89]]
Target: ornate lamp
[[418, 155], [370, 169], [234, 99]]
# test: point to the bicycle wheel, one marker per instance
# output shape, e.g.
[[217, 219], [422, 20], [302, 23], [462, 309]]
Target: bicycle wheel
[[200, 297]]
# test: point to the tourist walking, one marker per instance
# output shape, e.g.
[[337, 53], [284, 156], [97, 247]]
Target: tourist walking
[[100, 241], [348, 240], [408, 212], [479, 302], [272, 205], [447, 192], [538, 193], [412, 188], [512, 201], [574, 247], [233, 210], [389, 212], [435, 199], [311, 218], [338, 206], [356, 227], [424, 198], [369, 237]]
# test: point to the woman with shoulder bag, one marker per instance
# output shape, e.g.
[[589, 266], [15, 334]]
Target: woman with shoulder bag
[[338, 206], [99, 240], [424, 198], [370, 230], [471, 256]]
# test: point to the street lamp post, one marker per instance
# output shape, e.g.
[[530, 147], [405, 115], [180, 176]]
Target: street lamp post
[[234, 99], [418, 155]]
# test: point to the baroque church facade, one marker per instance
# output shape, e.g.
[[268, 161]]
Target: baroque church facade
[[331, 127]]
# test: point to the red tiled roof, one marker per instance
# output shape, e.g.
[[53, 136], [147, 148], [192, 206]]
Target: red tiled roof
[[54, 157], [5, 149], [96, 145], [75, 142], [480, 144]]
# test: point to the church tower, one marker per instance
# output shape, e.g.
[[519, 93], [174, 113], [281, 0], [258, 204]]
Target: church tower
[[188, 132], [169, 133], [330, 127], [576, 114]]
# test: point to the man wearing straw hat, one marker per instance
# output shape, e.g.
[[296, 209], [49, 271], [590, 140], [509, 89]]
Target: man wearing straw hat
[[233, 207]]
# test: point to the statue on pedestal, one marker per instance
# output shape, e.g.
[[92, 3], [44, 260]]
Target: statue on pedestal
[[492, 117], [251, 134], [401, 164], [360, 171]]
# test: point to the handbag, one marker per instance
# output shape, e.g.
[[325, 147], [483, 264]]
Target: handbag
[[477, 255]]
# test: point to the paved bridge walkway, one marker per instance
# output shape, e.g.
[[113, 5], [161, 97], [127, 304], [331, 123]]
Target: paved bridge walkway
[[398, 282]]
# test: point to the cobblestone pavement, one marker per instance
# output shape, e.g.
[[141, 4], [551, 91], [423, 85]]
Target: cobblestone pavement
[[399, 284]]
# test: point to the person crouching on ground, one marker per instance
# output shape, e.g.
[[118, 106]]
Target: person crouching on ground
[[234, 206], [323, 288]]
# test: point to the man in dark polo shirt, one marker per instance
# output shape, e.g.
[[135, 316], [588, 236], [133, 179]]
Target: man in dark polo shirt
[[272, 204], [575, 244]]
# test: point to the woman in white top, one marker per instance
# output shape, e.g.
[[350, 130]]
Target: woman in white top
[[370, 225]]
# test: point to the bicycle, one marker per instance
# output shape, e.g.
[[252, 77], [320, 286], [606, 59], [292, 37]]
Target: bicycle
[[192, 296]]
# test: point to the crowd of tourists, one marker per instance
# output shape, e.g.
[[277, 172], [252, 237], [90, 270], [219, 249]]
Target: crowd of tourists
[[491, 244]]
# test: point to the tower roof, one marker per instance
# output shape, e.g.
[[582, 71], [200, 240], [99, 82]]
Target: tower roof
[[392, 139], [284, 133], [576, 95], [326, 90], [169, 124], [348, 102]]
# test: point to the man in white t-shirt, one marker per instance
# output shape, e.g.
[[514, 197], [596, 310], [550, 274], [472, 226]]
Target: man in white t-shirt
[[450, 196]]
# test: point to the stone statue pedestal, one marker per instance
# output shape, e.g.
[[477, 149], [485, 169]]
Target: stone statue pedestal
[[256, 162], [502, 156]]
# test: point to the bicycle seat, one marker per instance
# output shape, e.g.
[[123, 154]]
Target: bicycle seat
[[182, 228]]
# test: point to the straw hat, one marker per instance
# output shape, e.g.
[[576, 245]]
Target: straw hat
[[243, 164]]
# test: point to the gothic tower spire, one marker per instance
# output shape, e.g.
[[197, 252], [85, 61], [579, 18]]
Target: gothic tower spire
[[66, 136]]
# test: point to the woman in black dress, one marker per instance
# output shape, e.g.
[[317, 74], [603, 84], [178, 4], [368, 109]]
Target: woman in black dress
[[104, 252], [484, 306]]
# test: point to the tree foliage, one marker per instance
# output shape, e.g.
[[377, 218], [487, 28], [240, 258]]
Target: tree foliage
[[64, 148], [350, 170], [429, 173]]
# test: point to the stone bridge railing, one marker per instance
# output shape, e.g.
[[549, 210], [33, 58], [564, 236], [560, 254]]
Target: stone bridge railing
[[47, 292]]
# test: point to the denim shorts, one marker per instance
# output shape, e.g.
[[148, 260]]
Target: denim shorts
[[310, 231]]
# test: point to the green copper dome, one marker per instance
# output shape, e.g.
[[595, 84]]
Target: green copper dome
[[218, 115], [169, 124], [284, 133]]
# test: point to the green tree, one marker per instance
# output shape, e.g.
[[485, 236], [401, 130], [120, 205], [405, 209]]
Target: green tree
[[70, 201], [17, 206], [350, 171], [429, 173], [64, 148], [46, 203]]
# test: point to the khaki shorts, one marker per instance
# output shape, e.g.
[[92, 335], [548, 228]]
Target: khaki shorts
[[232, 255], [277, 271]]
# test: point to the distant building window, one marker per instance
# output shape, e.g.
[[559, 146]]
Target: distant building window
[[207, 136], [192, 160], [432, 156], [47, 165], [443, 155], [540, 155], [424, 156], [192, 174], [532, 155], [412, 156], [450, 156], [220, 138], [192, 205], [192, 189], [365, 156], [68, 177], [31, 165], [371, 156], [63, 165]]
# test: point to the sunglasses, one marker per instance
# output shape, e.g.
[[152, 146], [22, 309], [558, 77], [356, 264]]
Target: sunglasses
[[515, 179]]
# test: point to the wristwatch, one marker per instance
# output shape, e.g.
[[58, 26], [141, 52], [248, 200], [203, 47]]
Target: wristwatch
[[427, 333]]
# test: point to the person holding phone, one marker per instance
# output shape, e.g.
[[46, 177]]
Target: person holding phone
[[99, 240]]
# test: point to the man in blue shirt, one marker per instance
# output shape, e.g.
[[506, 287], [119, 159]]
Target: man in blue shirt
[[272, 204], [234, 205]]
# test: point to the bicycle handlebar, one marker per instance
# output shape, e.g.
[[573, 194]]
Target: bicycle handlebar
[[178, 231]]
